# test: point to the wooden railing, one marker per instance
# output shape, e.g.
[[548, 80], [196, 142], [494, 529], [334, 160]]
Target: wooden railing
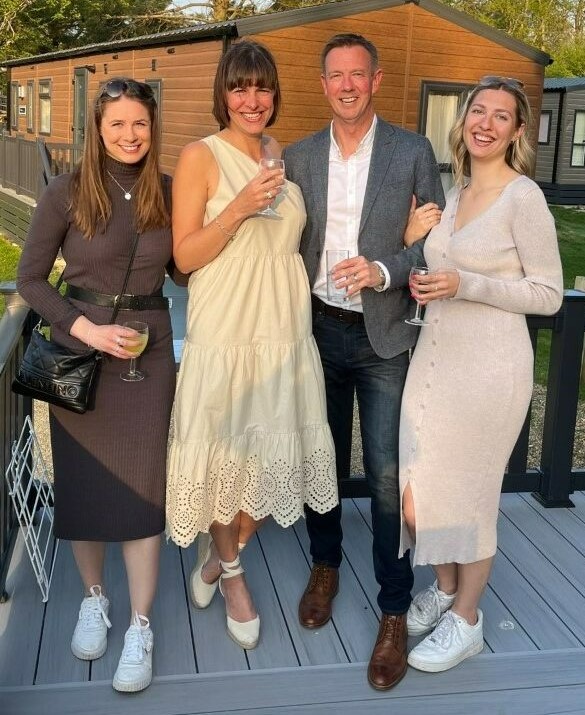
[[21, 163], [14, 334]]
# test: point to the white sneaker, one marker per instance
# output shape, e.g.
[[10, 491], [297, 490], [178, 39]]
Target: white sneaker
[[135, 666], [426, 609], [452, 641], [90, 637]]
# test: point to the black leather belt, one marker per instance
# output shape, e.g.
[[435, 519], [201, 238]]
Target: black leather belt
[[346, 316], [127, 301]]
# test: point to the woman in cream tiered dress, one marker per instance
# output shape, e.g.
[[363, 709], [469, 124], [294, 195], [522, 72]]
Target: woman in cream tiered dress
[[251, 437]]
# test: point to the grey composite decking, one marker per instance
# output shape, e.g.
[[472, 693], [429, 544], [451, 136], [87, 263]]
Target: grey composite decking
[[533, 664]]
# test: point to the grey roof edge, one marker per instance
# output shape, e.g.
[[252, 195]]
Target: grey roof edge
[[552, 84], [273, 21], [184, 34]]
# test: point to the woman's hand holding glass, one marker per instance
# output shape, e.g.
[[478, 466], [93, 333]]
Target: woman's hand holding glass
[[259, 193], [420, 221], [435, 285]]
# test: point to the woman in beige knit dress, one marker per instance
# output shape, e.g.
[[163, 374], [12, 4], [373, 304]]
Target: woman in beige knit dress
[[493, 258]]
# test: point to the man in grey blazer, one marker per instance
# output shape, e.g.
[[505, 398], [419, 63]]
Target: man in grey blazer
[[358, 177]]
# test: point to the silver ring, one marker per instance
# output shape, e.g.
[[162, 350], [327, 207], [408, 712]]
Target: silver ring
[[269, 195]]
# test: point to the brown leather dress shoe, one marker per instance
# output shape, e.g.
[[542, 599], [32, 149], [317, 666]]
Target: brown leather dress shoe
[[317, 600], [388, 662]]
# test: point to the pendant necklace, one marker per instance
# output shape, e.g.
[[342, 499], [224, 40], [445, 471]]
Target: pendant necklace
[[127, 194]]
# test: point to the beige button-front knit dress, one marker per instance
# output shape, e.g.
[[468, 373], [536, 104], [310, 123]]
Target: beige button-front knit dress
[[470, 379]]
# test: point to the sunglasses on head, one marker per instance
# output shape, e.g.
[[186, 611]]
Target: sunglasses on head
[[492, 79], [117, 87]]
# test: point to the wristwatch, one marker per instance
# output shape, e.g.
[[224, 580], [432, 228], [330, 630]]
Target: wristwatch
[[382, 276]]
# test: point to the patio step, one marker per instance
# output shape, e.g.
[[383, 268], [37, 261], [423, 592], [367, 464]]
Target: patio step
[[537, 683]]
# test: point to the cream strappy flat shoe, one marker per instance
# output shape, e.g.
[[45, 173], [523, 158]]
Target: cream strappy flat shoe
[[244, 634]]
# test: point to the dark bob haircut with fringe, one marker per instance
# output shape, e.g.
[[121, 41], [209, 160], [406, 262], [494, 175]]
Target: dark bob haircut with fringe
[[245, 64]]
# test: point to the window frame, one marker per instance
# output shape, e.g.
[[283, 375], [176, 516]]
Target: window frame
[[575, 144], [30, 106], [45, 82], [429, 87], [545, 113], [14, 103]]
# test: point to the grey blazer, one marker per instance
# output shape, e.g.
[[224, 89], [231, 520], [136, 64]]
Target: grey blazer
[[402, 164]]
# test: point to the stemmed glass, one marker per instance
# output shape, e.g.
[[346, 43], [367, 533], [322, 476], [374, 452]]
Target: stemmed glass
[[141, 338], [416, 271], [267, 163]]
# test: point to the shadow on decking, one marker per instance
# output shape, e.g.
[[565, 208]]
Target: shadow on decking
[[534, 661]]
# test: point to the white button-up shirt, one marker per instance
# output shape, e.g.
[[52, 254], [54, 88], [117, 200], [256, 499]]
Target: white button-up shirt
[[345, 199]]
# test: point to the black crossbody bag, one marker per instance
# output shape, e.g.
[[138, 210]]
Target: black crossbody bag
[[53, 373]]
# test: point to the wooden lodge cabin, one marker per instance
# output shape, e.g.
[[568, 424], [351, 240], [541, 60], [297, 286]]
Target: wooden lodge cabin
[[560, 163], [430, 55]]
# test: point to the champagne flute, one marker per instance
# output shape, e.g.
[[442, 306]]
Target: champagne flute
[[140, 340], [268, 163], [416, 271]]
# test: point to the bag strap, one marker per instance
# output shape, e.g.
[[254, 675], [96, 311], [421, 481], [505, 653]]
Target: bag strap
[[126, 277]]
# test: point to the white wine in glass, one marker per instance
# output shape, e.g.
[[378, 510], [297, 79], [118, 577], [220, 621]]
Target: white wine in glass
[[416, 271], [140, 340], [266, 163]]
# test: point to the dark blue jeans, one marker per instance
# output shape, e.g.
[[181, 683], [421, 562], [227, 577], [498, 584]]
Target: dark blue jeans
[[351, 365]]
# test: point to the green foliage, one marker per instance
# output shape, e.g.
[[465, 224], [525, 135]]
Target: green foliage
[[554, 26], [31, 28], [569, 60]]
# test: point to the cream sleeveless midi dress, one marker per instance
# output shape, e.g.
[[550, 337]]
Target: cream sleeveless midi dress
[[251, 430]]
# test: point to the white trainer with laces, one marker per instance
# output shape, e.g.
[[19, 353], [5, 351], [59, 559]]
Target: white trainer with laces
[[134, 671], [90, 637], [426, 608], [452, 641]]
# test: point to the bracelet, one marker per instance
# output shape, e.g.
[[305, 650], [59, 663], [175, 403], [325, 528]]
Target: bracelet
[[223, 229], [88, 334]]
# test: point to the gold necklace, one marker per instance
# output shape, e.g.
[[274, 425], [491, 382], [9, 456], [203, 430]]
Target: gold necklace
[[127, 194]]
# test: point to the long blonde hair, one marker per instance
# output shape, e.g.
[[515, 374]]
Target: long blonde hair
[[90, 202], [520, 154]]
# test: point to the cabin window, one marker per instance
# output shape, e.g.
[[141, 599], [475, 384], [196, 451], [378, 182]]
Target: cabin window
[[156, 86], [14, 105], [578, 153], [44, 106], [440, 102], [544, 127], [30, 106]]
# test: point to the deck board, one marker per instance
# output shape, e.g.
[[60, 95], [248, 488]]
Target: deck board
[[60, 618], [537, 668], [19, 647]]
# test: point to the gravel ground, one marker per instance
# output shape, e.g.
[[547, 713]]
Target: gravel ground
[[535, 439]]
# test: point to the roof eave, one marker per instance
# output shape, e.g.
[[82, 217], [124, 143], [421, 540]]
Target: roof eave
[[224, 29]]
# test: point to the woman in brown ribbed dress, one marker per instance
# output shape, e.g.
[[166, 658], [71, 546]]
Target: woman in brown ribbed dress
[[110, 462]]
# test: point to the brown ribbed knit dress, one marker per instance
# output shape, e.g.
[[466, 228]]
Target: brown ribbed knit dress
[[109, 463]]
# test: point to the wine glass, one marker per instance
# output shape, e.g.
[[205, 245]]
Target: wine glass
[[416, 271], [268, 163], [139, 340]]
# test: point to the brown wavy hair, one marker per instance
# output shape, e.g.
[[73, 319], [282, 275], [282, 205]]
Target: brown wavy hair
[[520, 154], [90, 202], [246, 63]]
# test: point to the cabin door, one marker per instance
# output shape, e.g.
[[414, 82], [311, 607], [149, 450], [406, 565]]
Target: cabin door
[[79, 104]]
